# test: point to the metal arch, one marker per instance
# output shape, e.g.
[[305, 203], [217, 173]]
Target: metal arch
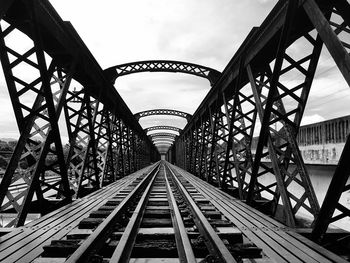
[[162, 127], [178, 113], [114, 72], [163, 139], [163, 147], [163, 143], [163, 134]]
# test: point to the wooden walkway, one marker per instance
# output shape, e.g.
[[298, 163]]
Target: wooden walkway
[[278, 243], [26, 243]]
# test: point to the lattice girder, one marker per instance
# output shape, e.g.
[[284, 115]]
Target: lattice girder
[[152, 112], [215, 117], [241, 116], [103, 146], [276, 108], [126, 148], [199, 150], [279, 125], [39, 61], [206, 148], [162, 134], [180, 148], [194, 149], [40, 136], [162, 127], [80, 117], [335, 32], [117, 148], [113, 73], [162, 139]]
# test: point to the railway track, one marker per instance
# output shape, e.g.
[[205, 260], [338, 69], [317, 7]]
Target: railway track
[[158, 214], [158, 217]]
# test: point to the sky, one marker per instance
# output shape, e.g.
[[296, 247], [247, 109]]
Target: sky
[[205, 32]]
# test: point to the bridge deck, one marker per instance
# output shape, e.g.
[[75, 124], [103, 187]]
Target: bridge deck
[[26, 243], [278, 243]]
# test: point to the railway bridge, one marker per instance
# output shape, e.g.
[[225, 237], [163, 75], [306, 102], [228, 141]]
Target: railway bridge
[[120, 192]]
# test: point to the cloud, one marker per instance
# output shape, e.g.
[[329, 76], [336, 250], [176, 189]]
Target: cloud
[[143, 91], [266, 1]]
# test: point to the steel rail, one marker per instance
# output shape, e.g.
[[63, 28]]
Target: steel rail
[[215, 245], [183, 243], [125, 245], [100, 232]]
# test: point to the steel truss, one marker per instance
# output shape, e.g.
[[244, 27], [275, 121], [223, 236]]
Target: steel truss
[[105, 142], [113, 73], [246, 127]]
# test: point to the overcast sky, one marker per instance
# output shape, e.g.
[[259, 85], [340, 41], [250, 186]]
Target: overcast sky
[[205, 32]]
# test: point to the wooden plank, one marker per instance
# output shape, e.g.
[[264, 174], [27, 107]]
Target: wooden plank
[[95, 195], [44, 235], [97, 235], [58, 235], [315, 251], [127, 241], [55, 225], [182, 239], [238, 215], [218, 245], [259, 237], [53, 219], [317, 247], [38, 250], [48, 219]]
